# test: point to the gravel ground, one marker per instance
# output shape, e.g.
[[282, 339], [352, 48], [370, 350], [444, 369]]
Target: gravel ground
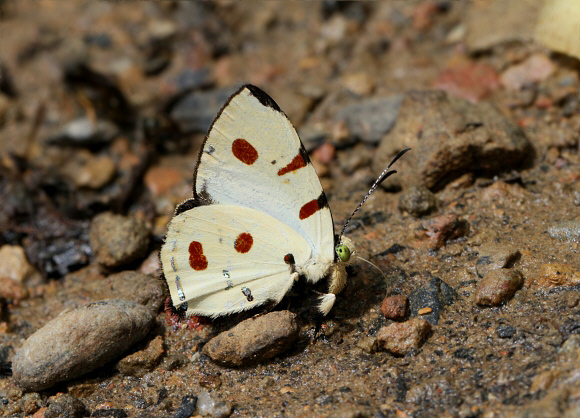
[[475, 310]]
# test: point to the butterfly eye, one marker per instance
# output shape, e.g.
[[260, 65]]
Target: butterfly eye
[[342, 252]]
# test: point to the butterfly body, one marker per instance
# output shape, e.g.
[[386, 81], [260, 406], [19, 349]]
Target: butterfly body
[[258, 220]]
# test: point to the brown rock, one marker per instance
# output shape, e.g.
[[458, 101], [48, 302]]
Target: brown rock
[[498, 286], [118, 240], [395, 307], [14, 265], [557, 274], [454, 137], [494, 256], [254, 340], [400, 338], [444, 228], [418, 201], [160, 180], [142, 361], [79, 341], [12, 290], [88, 170]]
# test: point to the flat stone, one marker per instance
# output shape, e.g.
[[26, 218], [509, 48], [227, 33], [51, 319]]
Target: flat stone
[[254, 340], [494, 256], [401, 337], [498, 286]]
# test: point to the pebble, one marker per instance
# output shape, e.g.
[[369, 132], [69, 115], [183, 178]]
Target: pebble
[[12, 290], [557, 274], [142, 361], [400, 338], [506, 331], [498, 286], [536, 68], [566, 231], [370, 119], [367, 344], [360, 83], [85, 132], [435, 295], [254, 340], [79, 341], [418, 201], [30, 403], [196, 111], [449, 137], [160, 180], [395, 307], [118, 240], [15, 266], [472, 81], [209, 407], [494, 256], [187, 407], [65, 405], [89, 171], [444, 228], [543, 381], [572, 299]]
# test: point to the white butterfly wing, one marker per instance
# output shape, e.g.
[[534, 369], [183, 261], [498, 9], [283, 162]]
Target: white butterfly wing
[[253, 157], [222, 259]]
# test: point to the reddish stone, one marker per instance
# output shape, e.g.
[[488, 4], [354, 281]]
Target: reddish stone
[[472, 82], [394, 307]]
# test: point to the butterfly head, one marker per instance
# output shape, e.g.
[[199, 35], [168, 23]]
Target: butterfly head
[[345, 250]]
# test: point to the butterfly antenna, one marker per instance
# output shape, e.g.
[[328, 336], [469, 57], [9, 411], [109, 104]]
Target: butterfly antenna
[[384, 175], [374, 265]]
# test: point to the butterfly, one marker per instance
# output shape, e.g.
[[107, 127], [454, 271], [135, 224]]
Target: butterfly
[[258, 219]]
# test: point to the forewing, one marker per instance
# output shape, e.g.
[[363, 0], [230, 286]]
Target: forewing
[[221, 259], [253, 157]]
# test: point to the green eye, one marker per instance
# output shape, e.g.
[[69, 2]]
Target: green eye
[[342, 252]]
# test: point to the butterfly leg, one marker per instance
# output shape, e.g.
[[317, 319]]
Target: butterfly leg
[[337, 278], [326, 303]]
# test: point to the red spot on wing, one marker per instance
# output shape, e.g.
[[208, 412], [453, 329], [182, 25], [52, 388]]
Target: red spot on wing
[[297, 163], [244, 243], [197, 260], [309, 209], [244, 151]]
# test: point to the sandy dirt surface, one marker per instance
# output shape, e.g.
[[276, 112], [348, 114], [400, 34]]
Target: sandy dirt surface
[[103, 108]]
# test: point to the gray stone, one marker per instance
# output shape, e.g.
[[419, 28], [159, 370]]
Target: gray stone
[[566, 231], [371, 119], [418, 201], [79, 341], [118, 240]]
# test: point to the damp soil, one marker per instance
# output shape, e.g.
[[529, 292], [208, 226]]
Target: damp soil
[[312, 58]]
